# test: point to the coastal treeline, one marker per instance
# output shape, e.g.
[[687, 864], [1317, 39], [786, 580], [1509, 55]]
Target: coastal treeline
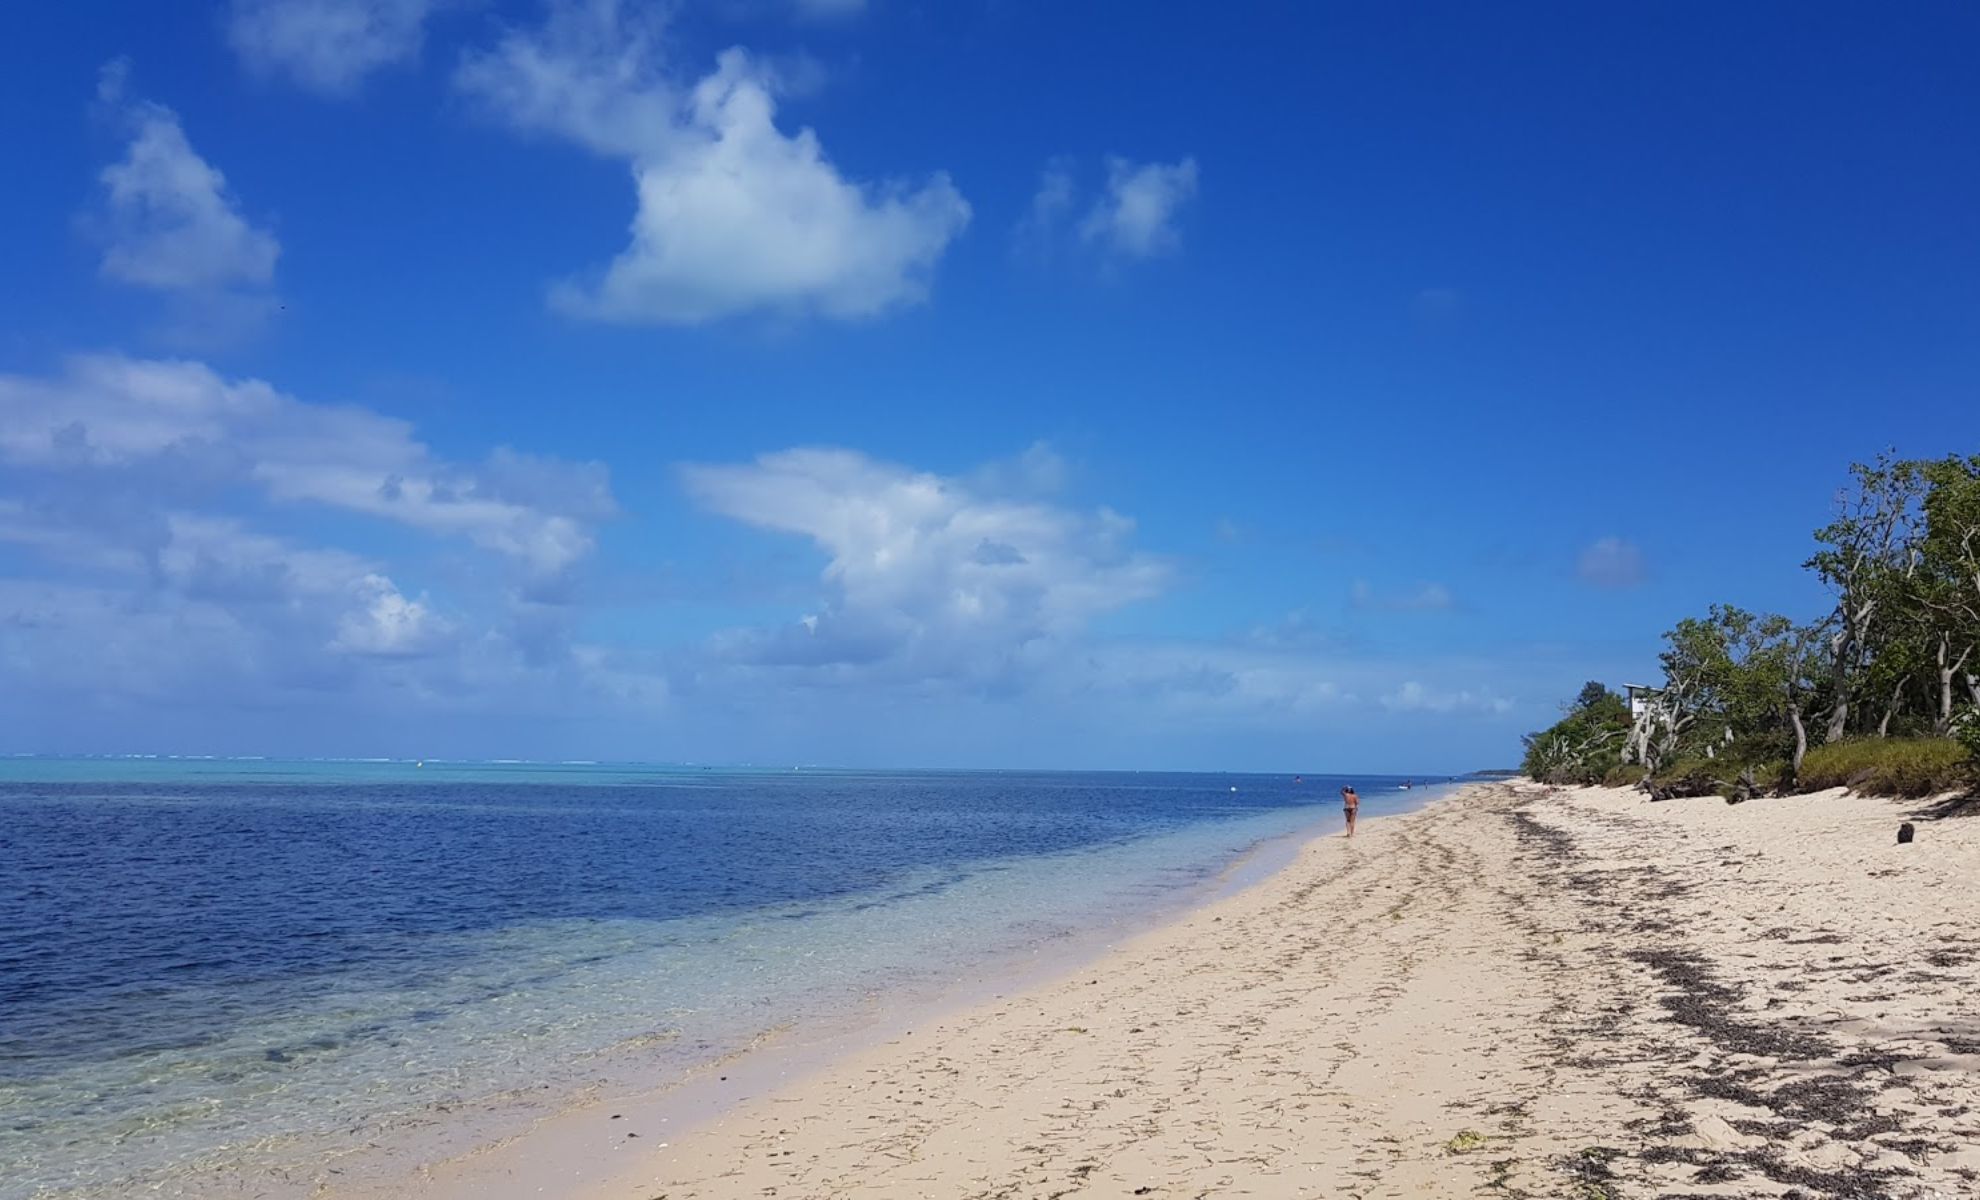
[[1881, 692]]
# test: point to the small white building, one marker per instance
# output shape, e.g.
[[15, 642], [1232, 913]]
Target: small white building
[[1640, 695]]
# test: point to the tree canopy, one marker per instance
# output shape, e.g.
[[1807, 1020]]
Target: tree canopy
[[1746, 695]]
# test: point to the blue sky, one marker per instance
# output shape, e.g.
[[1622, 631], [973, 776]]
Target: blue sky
[[967, 383]]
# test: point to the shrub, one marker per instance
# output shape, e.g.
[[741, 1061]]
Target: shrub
[[1775, 777], [1727, 776], [1889, 766], [1624, 775], [1966, 728], [1584, 744], [1689, 777]]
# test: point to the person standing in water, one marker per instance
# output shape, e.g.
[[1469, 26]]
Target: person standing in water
[[1350, 804]]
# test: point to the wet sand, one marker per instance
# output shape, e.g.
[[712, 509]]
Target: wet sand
[[1522, 991]]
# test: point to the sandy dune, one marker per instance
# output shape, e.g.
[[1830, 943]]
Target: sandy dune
[[1520, 991]]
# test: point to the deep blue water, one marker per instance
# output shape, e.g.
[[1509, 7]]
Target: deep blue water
[[207, 936]]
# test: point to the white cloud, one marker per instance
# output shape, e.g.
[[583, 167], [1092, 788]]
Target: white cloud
[[1136, 216], [1039, 471], [183, 420], [937, 586], [166, 218], [927, 575], [219, 558], [734, 215], [187, 603], [386, 624], [139, 583], [1416, 697], [326, 46], [1612, 562], [1431, 597], [1133, 217]]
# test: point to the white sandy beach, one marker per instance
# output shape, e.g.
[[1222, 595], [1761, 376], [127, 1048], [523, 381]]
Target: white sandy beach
[[1540, 991]]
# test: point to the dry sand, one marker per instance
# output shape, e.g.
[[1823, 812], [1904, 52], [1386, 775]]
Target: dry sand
[[1520, 991]]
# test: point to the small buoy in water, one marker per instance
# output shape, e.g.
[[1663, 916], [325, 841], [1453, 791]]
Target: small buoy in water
[[1234, 789]]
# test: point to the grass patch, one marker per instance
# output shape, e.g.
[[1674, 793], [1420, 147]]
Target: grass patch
[[1889, 766], [1624, 775]]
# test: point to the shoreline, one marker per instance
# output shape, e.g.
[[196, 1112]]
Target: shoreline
[[557, 1150], [558, 1154], [1535, 990]]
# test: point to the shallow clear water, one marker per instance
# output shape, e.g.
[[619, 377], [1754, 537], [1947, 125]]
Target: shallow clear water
[[208, 963]]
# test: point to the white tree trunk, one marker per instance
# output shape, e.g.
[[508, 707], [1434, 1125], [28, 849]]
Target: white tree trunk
[[1948, 671], [1839, 646]]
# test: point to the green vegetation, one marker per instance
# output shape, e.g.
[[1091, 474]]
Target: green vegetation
[[1889, 766], [1881, 694], [1584, 745], [1723, 776], [1465, 1142], [1624, 775], [1966, 731]]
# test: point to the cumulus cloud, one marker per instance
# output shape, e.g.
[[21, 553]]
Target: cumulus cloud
[[385, 623], [184, 420], [326, 46], [1136, 215], [734, 215], [140, 503], [927, 575], [166, 219], [939, 585], [1612, 562]]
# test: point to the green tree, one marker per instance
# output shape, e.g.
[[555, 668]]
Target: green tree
[[1583, 745], [1737, 685], [1770, 671], [1592, 693], [1866, 556], [1948, 590]]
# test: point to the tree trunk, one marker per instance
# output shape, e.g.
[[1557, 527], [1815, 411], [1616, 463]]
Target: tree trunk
[[1800, 739], [1947, 672], [1638, 746], [1890, 710], [1839, 715]]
